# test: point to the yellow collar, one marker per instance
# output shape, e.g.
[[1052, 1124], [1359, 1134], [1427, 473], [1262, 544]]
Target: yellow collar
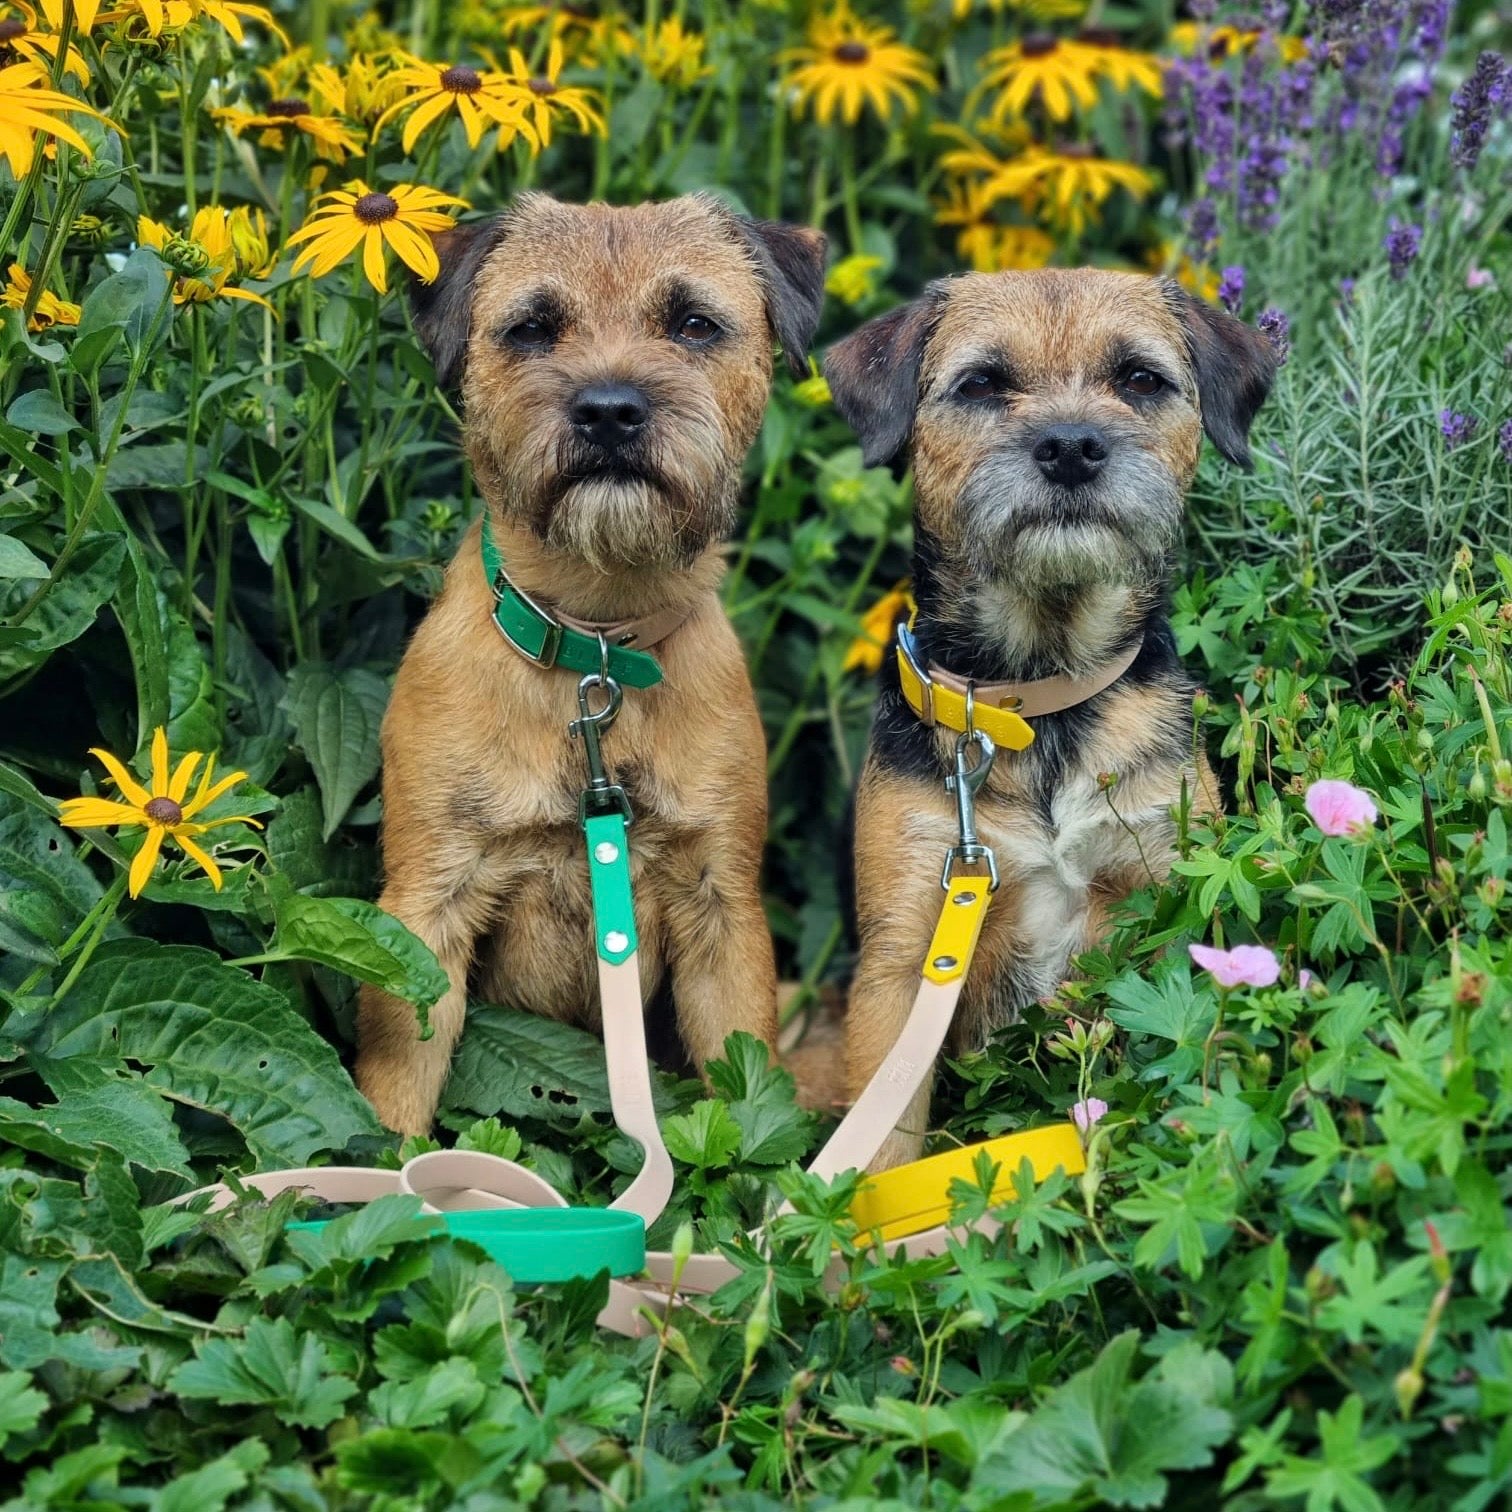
[[1000, 710]]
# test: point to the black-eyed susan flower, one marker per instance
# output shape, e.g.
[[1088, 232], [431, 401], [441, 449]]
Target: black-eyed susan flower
[[1067, 186], [847, 63], [368, 85], [986, 243], [163, 809], [674, 55], [1060, 75], [1220, 42], [157, 18], [850, 280], [405, 218], [480, 99], [84, 14], [1125, 68], [29, 109], [200, 260], [24, 38], [866, 651], [49, 309], [543, 96], [1039, 10], [283, 120]]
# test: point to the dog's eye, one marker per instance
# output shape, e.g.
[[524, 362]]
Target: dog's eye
[[696, 329], [530, 335], [979, 386], [1143, 382]]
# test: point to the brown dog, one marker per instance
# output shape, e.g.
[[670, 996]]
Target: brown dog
[[614, 366], [1053, 420]]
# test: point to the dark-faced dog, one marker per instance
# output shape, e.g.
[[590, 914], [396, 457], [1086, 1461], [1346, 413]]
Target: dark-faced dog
[[614, 366], [1053, 420]]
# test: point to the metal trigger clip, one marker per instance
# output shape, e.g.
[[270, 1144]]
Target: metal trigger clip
[[601, 794], [965, 783]]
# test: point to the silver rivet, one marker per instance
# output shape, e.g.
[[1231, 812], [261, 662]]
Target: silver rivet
[[615, 941], [606, 851], [964, 898], [944, 963]]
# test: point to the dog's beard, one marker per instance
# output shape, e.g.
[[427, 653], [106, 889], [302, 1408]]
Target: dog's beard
[[633, 507], [1118, 530]]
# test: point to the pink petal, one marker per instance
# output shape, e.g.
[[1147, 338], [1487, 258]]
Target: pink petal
[[1340, 808], [1086, 1113]]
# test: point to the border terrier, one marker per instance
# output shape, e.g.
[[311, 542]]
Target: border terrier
[[1053, 420], [613, 364]]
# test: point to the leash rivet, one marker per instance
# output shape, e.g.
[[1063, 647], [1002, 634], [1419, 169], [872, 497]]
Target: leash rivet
[[964, 898], [605, 852], [944, 963], [615, 941]]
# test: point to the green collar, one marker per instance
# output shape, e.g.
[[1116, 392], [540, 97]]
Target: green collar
[[544, 639]]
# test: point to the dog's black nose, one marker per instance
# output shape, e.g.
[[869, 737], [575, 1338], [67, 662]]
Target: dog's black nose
[[1070, 454], [609, 414]]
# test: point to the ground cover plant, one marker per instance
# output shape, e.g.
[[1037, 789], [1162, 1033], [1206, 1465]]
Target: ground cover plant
[[227, 487]]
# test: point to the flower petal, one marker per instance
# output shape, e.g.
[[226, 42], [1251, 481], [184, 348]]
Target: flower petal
[[122, 778], [98, 813], [202, 857], [183, 775], [144, 860], [159, 762]]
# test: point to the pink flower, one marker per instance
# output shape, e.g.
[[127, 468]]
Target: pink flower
[[1479, 278], [1243, 966], [1085, 1114], [1340, 808], [1305, 979]]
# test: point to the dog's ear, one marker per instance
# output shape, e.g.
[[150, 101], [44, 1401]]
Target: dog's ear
[[873, 375], [1235, 367], [790, 260], [443, 307]]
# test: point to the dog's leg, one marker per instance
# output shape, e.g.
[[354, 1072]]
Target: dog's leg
[[724, 977]]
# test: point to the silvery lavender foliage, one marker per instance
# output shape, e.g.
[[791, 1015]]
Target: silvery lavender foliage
[[1478, 103]]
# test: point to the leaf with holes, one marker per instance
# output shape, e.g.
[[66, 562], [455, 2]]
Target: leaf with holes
[[519, 1065]]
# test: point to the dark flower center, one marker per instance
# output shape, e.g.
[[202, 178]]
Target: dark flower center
[[541, 85], [373, 208], [289, 108], [460, 79], [163, 811], [1218, 49], [1100, 36], [1084, 151], [11, 28], [1038, 45], [851, 52]]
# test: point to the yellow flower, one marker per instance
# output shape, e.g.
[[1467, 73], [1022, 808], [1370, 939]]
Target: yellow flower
[[850, 280], [22, 41], [286, 119], [866, 651], [575, 27], [1125, 68], [675, 56], [988, 245], [160, 809], [1067, 187], [84, 11], [159, 17], [50, 310], [28, 110], [200, 260], [1040, 10], [248, 228], [405, 218], [848, 63], [369, 86], [1219, 42], [541, 94], [480, 98], [814, 390], [1062, 73]]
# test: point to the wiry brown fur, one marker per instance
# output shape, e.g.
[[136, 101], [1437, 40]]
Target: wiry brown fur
[[1017, 579], [483, 852]]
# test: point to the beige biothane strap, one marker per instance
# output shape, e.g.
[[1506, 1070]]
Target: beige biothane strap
[[630, 1086], [1047, 695], [638, 634]]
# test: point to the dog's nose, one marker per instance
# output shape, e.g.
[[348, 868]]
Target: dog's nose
[[609, 414], [1070, 454]]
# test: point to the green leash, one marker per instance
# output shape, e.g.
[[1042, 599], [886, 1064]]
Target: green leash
[[543, 639]]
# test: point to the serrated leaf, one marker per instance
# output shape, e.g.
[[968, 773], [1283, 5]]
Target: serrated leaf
[[69, 607], [706, 1136], [209, 1488], [123, 1114], [520, 1065], [273, 1366], [45, 890], [215, 1038], [362, 940], [429, 1399], [28, 1310], [336, 717], [21, 1406]]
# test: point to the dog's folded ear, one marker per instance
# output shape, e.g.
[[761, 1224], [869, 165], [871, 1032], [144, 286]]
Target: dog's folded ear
[[443, 307], [1235, 367], [790, 260], [873, 375]]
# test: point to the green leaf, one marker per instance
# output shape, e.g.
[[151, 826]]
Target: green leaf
[[70, 606], [215, 1038], [336, 721], [21, 1406], [123, 1114], [127, 305], [1336, 1477], [271, 1365], [706, 1137], [429, 1399], [28, 1310], [337, 526], [209, 1488], [773, 1129], [40, 413], [1102, 1436], [45, 890], [18, 560], [361, 940], [520, 1065]]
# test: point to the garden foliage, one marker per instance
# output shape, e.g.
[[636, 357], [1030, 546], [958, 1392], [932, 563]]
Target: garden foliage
[[227, 489]]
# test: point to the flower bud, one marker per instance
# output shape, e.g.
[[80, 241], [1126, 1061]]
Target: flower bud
[[682, 1248], [1476, 787], [1449, 594], [902, 1365], [758, 1324], [1408, 1387]]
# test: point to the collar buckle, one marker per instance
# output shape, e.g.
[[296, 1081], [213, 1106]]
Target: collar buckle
[[551, 628], [909, 649]]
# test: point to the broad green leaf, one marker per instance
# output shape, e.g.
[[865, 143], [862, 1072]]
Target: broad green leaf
[[426, 1401], [209, 1488], [131, 305], [338, 526], [361, 940], [45, 890], [311, 863], [69, 607], [271, 1365], [520, 1065], [21, 1406], [123, 1114], [40, 413], [28, 1310], [706, 1137], [18, 560], [336, 721], [214, 1038]]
